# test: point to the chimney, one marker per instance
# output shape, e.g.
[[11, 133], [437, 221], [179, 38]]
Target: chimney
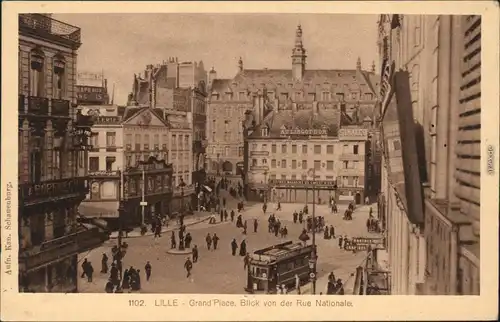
[[256, 107], [211, 76]]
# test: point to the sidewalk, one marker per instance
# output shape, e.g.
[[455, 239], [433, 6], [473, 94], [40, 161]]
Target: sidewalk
[[196, 218]]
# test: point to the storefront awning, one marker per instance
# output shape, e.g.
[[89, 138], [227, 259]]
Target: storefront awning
[[105, 209]]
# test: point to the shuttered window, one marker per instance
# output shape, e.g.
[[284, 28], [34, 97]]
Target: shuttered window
[[469, 131]]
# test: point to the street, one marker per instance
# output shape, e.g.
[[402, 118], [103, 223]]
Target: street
[[220, 272]]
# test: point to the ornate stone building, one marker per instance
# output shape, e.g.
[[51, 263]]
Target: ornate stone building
[[287, 91], [53, 142]]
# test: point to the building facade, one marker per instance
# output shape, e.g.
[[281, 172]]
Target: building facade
[[286, 91], [53, 141], [436, 252]]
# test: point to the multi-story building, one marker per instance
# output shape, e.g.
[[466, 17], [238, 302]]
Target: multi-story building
[[286, 148], [123, 140], [179, 91], [52, 157], [230, 99], [433, 232]]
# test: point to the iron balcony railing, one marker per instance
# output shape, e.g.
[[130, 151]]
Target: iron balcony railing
[[38, 105], [43, 25], [60, 107]]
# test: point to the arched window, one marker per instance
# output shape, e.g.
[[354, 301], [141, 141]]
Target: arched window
[[59, 77], [37, 64]]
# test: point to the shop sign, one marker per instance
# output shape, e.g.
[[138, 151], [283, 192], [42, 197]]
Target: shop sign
[[104, 174], [90, 93], [107, 120], [367, 241], [355, 247], [303, 132], [355, 132], [310, 183], [386, 88]]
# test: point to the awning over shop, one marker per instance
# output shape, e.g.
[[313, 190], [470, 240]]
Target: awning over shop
[[105, 209]]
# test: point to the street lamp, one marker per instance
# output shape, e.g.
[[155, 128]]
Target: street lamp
[[182, 184], [313, 261], [267, 187], [218, 164]]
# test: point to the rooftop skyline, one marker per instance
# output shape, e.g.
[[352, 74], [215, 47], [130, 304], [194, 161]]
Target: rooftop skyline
[[123, 44]]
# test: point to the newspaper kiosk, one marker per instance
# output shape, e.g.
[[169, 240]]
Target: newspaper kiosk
[[278, 265]]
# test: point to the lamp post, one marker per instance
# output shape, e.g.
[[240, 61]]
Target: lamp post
[[121, 210], [143, 201], [267, 187], [313, 261], [218, 164], [181, 237]]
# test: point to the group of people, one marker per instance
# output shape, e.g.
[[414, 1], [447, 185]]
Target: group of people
[[335, 286], [372, 224], [348, 212], [274, 227]]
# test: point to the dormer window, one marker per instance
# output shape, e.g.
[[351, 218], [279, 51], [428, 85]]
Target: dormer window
[[265, 131]]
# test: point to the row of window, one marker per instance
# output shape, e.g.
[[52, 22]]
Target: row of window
[[317, 149], [325, 96], [38, 79], [225, 151], [303, 164]]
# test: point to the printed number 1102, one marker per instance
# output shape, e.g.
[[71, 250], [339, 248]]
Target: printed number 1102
[[135, 302]]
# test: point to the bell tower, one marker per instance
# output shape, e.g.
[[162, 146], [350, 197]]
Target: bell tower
[[298, 56]]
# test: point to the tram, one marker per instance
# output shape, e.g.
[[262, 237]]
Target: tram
[[278, 265]]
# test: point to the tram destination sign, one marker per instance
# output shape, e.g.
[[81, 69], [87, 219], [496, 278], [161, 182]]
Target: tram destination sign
[[367, 241]]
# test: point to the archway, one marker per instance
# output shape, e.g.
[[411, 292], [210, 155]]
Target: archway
[[227, 166]]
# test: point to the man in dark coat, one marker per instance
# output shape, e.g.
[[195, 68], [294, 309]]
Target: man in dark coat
[[221, 215], [173, 244], [188, 265], [341, 241], [301, 217], [215, 240], [148, 269], [208, 240], [232, 215], [243, 248], [332, 232], [225, 215], [295, 215], [104, 264], [234, 247], [85, 266], [195, 253], [90, 272], [255, 225]]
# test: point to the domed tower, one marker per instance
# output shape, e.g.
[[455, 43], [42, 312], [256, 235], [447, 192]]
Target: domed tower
[[298, 56]]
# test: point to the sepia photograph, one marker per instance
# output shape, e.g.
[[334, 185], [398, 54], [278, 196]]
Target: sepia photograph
[[239, 153]]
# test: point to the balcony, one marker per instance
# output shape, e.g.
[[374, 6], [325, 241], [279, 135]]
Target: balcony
[[38, 105], [34, 193], [60, 108], [20, 104], [111, 148], [351, 157], [61, 247], [259, 153], [38, 25]]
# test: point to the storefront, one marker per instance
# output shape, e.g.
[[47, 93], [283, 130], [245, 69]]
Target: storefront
[[302, 191]]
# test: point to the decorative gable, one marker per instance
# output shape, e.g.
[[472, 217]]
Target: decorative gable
[[145, 117]]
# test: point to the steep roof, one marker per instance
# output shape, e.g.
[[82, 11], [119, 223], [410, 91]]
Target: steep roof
[[128, 112], [302, 119]]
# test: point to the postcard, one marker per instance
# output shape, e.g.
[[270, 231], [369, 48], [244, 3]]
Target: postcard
[[247, 161]]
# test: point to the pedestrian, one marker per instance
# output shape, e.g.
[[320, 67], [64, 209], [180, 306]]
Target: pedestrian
[[264, 208], [279, 206], [255, 225], [246, 261], [301, 217], [195, 253], [368, 224], [125, 280], [341, 241], [243, 248], [285, 232], [221, 215], [245, 228], [85, 264], [215, 240], [295, 215], [332, 232], [208, 239], [187, 240], [104, 263], [297, 283], [225, 215], [148, 268], [232, 215], [234, 247], [224, 202], [188, 265], [113, 274], [173, 244], [90, 272], [371, 212]]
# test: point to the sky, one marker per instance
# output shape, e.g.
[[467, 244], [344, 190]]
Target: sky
[[123, 44]]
